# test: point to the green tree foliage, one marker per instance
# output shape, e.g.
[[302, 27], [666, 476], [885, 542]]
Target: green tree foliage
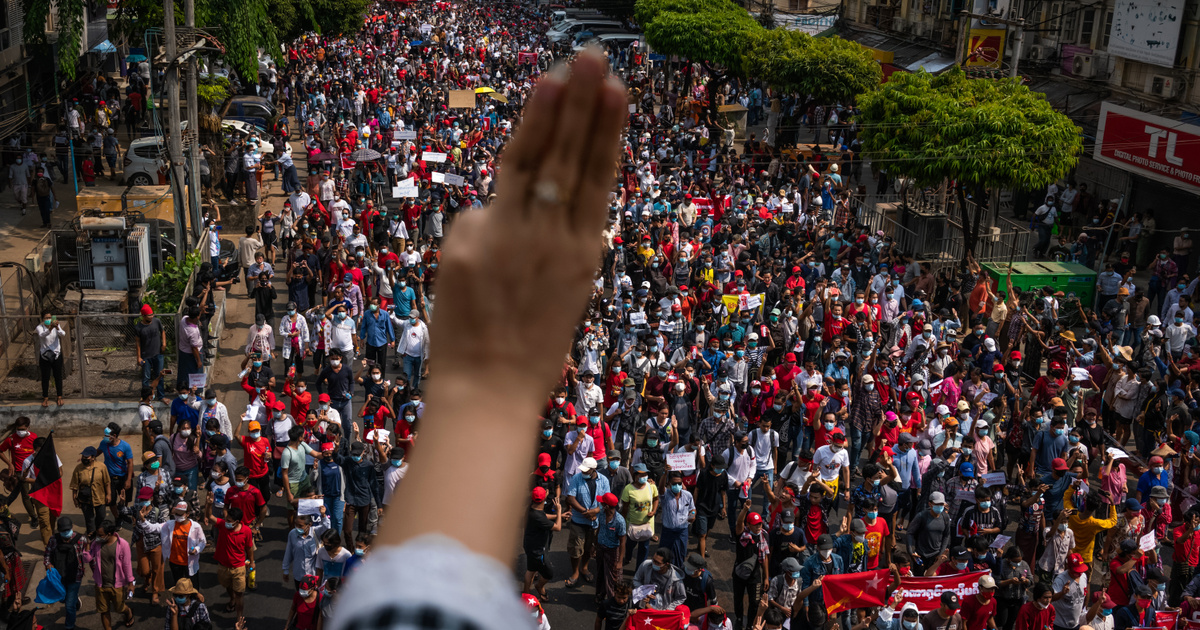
[[981, 133], [70, 29]]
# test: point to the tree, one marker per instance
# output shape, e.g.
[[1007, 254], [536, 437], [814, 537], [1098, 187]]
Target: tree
[[981, 133], [712, 33], [70, 21], [821, 70]]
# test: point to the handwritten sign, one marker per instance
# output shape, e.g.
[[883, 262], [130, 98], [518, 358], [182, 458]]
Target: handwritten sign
[[633, 108], [1000, 541], [753, 301], [989, 397], [1117, 453], [965, 495], [666, 327], [197, 380], [642, 592], [1147, 542], [403, 192], [407, 134], [433, 156], [380, 435], [252, 411], [310, 507], [637, 318], [682, 461], [455, 180], [994, 479], [437, 177]]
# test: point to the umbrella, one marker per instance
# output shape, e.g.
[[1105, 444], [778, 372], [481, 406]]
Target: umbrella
[[324, 156], [484, 90], [365, 155], [498, 96], [135, 58]]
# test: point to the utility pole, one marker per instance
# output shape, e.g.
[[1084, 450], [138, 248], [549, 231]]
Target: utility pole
[[174, 137], [193, 114]]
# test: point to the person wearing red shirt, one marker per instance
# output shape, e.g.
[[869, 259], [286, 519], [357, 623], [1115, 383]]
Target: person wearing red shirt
[[256, 453], [235, 548], [835, 324], [1186, 554], [979, 609], [558, 405], [1037, 614], [687, 302], [787, 371], [614, 382], [890, 430], [301, 398], [18, 446], [1130, 560], [795, 282]]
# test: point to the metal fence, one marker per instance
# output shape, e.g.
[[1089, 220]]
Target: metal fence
[[99, 356]]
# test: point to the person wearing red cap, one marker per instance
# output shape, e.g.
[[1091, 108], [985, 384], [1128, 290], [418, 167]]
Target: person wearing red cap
[[1070, 593], [536, 540], [151, 340]]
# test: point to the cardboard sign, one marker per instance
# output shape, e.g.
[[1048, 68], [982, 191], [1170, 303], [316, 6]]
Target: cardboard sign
[[197, 380], [433, 156], [682, 461], [407, 134], [1147, 542], [310, 507], [994, 479], [455, 180], [437, 177], [462, 99]]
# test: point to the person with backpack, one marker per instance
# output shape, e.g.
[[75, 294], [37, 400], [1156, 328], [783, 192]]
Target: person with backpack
[[305, 613], [43, 191], [67, 553], [185, 611]]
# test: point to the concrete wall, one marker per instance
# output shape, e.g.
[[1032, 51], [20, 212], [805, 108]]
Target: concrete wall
[[79, 418]]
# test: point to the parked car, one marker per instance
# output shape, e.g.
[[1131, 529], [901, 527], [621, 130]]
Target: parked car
[[571, 28], [255, 110], [589, 34], [611, 40], [142, 159], [570, 14]]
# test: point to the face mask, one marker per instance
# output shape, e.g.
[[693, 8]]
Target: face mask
[[910, 625], [1143, 603], [825, 553], [335, 363], [1107, 612], [719, 471], [872, 515], [547, 432], [304, 593], [983, 505], [1157, 470], [652, 443], [1162, 588], [640, 481], [756, 391], [828, 426], [961, 566], [181, 518], [397, 462], [254, 435], [181, 600], [614, 465], [1058, 431], [938, 509], [676, 488]]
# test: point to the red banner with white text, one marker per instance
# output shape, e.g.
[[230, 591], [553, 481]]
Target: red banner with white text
[[926, 592]]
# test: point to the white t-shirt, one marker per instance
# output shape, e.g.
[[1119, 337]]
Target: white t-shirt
[[332, 567], [829, 463], [764, 445]]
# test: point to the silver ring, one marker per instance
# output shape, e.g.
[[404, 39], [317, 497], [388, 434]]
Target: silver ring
[[546, 191]]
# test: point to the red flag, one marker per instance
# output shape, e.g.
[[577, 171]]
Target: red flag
[[1168, 620], [855, 590], [647, 619], [47, 483]]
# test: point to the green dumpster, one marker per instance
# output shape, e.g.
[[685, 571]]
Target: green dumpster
[[1070, 278]]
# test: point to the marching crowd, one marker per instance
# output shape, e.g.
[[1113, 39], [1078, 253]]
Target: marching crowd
[[756, 375]]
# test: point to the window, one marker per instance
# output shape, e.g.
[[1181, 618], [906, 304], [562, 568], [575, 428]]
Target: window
[[1054, 18], [1070, 27], [1108, 17], [1087, 28]]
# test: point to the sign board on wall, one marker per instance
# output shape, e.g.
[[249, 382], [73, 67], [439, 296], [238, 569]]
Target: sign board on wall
[[986, 48], [1158, 148], [1146, 30], [811, 24]]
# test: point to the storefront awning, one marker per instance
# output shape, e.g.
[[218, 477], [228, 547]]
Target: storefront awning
[[899, 53], [105, 47]]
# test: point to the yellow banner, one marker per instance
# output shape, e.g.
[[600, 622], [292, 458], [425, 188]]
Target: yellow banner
[[986, 48]]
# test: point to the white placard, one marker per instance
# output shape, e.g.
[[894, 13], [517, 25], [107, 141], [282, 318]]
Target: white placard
[[310, 507], [1000, 541], [402, 192], [682, 461], [411, 181], [633, 108], [380, 435], [994, 479], [989, 397], [642, 592], [666, 327], [637, 317], [437, 177], [1147, 542], [252, 411], [197, 380], [455, 180], [407, 134], [1117, 453], [965, 495], [753, 302], [432, 156]]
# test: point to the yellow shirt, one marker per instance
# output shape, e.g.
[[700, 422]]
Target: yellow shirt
[[1086, 528], [640, 501]]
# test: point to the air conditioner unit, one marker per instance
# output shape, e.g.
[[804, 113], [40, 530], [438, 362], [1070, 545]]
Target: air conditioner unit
[[1083, 66], [1161, 85], [1038, 53]]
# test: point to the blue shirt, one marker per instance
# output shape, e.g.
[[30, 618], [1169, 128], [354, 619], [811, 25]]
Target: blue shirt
[[676, 510], [376, 329], [834, 372], [579, 489], [1147, 482], [611, 532], [117, 457], [1058, 487], [814, 568], [1049, 447], [908, 468], [403, 299], [183, 412]]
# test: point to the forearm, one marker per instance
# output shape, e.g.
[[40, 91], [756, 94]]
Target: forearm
[[501, 494]]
